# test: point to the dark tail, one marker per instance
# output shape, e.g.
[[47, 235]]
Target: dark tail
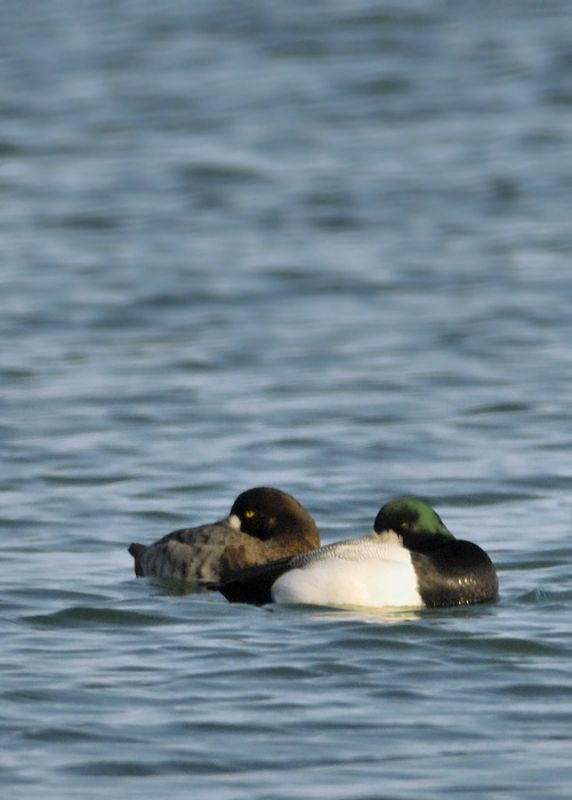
[[137, 551], [252, 585]]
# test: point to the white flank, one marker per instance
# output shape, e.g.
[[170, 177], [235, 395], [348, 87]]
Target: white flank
[[365, 572]]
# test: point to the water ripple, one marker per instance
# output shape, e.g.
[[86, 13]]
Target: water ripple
[[88, 616]]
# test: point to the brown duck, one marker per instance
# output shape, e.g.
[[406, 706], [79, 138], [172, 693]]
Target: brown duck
[[263, 525]]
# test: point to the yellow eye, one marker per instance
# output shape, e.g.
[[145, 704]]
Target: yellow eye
[[404, 525], [249, 514]]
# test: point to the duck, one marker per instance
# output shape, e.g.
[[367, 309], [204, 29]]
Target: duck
[[410, 560], [264, 524]]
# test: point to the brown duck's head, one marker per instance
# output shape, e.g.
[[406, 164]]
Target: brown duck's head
[[267, 513]]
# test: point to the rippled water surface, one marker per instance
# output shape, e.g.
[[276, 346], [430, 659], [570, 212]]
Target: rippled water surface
[[324, 246]]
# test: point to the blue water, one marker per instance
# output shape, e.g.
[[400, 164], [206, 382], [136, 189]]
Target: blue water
[[324, 246]]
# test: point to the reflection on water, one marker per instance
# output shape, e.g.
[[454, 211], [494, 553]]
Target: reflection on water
[[369, 615]]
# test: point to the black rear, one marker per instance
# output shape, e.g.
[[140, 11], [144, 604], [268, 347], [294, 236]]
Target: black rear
[[137, 551], [459, 573]]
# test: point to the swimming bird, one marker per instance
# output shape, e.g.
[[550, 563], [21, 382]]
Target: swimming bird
[[411, 559], [264, 524]]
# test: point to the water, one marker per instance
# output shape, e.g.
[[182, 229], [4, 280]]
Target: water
[[320, 246]]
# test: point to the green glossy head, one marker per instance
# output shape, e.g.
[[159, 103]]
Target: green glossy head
[[414, 521]]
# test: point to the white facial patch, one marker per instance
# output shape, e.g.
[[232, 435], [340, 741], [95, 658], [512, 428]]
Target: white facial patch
[[234, 522]]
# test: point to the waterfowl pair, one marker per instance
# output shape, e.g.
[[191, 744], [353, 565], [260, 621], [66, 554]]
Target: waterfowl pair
[[410, 559], [263, 525]]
